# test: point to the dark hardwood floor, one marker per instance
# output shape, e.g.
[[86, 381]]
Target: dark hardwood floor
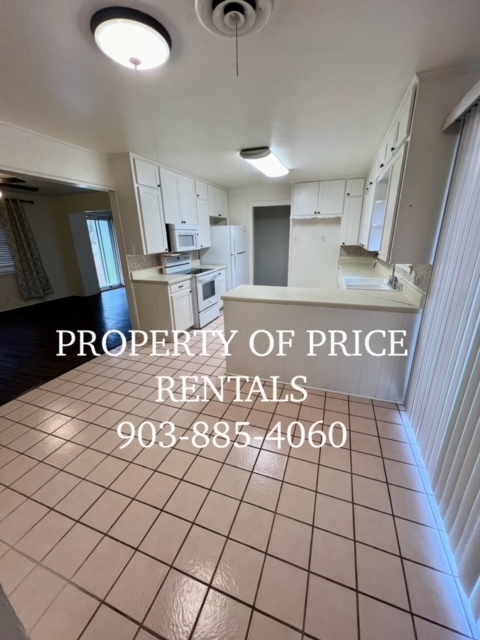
[[29, 342]]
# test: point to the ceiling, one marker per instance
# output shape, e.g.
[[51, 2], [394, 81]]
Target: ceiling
[[319, 84], [46, 188]]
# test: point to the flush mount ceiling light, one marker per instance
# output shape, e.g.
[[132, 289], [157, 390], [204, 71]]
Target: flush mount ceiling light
[[231, 18], [265, 161], [131, 38]]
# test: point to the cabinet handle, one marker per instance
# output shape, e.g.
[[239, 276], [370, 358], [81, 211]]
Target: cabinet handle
[[370, 183], [392, 148], [180, 286], [348, 194], [381, 165]]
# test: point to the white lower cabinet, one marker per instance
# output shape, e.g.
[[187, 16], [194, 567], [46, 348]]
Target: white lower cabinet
[[222, 285], [182, 307]]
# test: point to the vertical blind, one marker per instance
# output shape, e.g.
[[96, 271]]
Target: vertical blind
[[443, 401], [6, 263]]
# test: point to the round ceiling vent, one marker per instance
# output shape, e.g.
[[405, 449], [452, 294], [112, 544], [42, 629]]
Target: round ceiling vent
[[230, 18]]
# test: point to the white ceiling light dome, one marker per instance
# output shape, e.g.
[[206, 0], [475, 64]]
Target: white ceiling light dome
[[230, 18], [131, 38]]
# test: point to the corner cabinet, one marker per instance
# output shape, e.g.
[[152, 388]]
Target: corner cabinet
[[139, 206], [317, 199]]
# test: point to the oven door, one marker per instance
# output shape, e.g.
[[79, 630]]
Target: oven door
[[207, 290]]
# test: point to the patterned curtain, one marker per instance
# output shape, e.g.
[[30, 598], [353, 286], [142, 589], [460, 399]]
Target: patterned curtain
[[32, 279]]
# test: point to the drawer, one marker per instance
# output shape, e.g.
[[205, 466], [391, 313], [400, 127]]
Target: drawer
[[186, 285]]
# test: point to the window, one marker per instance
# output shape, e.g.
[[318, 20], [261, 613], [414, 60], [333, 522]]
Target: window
[[6, 262]]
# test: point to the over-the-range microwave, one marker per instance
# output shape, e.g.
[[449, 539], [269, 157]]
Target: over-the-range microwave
[[184, 237]]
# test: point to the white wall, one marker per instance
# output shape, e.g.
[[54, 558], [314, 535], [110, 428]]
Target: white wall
[[32, 153], [314, 251], [240, 205]]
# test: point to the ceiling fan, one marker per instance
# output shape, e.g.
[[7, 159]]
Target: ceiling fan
[[11, 183]]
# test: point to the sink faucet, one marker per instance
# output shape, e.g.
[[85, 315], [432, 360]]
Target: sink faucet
[[393, 280]]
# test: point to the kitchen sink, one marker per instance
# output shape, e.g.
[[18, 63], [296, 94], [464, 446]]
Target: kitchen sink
[[370, 284]]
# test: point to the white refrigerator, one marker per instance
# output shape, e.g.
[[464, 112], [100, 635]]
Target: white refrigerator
[[229, 247]]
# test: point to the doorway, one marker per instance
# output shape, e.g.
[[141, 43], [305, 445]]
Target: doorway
[[105, 251], [271, 240]]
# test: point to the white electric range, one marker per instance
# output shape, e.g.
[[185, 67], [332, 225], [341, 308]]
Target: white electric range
[[205, 290]]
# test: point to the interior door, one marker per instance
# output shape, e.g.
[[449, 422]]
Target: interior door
[[239, 270]]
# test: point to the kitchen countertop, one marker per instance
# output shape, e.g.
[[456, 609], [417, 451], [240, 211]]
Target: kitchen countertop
[[154, 275], [354, 299]]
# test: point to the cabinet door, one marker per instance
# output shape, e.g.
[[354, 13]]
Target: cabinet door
[[182, 310], [305, 200], [366, 219], [222, 285], [404, 121], [203, 214], [152, 221], [146, 173], [331, 197], [217, 201], [355, 187], [350, 227], [171, 204], [201, 189], [394, 186], [187, 199], [223, 203]]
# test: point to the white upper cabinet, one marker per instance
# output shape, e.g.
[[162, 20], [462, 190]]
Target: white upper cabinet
[[151, 217], [203, 213], [391, 203], [146, 173], [171, 201], [326, 198], [217, 201], [201, 189], [350, 227], [355, 187], [187, 200], [179, 198]]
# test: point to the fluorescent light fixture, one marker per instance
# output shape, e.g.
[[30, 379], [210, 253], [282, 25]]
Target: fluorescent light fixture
[[131, 38], [265, 161]]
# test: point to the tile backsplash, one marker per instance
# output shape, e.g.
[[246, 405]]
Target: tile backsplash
[[144, 262]]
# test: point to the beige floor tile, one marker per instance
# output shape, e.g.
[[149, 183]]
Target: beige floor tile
[[376, 529], [176, 463], [13, 569], [72, 550], [102, 567], [380, 575], [66, 618], [252, 526], [376, 617], [400, 451], [200, 553], [165, 537], [244, 457], [365, 443], [29, 483], [231, 481], [131, 480], [331, 611], [107, 471], [158, 490], [134, 523], [239, 571], [387, 415], [297, 503], [28, 440], [135, 589], [16, 469], [262, 491], [46, 447], [56, 489], [44, 535], [334, 515], [151, 458], [282, 591], [107, 624], [65, 454], [35, 594], [176, 607], [186, 501], [404, 475], [84, 463], [434, 596], [105, 511], [218, 513], [336, 458], [422, 544], [80, 499], [259, 418], [301, 473], [222, 617], [203, 472], [333, 557], [363, 425], [21, 520], [392, 431], [290, 541], [9, 501], [364, 464], [429, 631], [361, 409], [371, 493], [262, 628], [412, 505], [334, 483]]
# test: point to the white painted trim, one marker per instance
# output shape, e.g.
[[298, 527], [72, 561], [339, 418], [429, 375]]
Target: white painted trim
[[466, 103], [251, 207]]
